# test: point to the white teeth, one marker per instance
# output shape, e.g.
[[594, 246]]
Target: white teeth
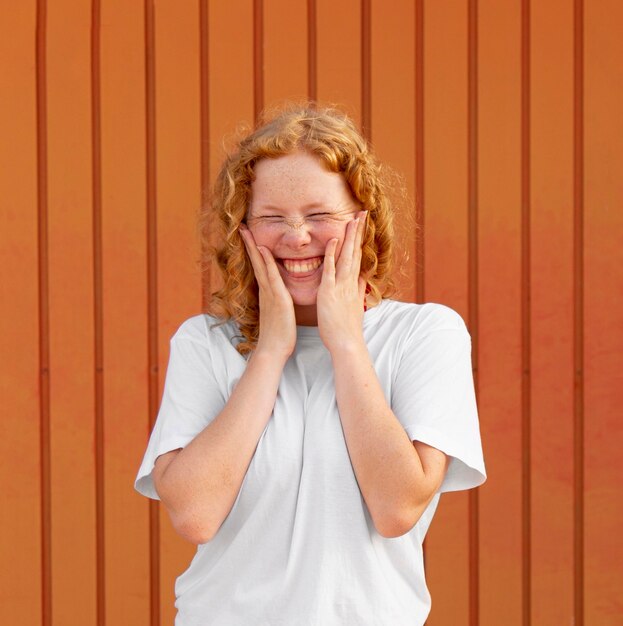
[[299, 267]]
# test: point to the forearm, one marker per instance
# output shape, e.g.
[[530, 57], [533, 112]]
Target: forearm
[[388, 469], [200, 485]]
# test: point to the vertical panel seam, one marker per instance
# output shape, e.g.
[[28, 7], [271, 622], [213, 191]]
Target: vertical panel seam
[[312, 80], [419, 170], [98, 315], [44, 321], [526, 305], [152, 294], [258, 58], [204, 149], [578, 311], [419, 151], [366, 69], [472, 183]]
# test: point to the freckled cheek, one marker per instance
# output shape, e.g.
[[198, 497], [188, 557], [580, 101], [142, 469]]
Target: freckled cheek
[[263, 240]]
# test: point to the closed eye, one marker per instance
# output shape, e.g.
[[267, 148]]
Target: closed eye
[[267, 217], [338, 215], [320, 215]]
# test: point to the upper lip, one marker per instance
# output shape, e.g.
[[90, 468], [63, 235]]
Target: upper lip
[[301, 258]]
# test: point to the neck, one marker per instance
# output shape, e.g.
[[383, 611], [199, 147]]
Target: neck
[[306, 315]]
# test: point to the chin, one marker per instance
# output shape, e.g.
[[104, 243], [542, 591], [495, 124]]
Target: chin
[[304, 298]]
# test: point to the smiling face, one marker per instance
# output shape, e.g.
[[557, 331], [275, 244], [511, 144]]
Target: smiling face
[[297, 207]]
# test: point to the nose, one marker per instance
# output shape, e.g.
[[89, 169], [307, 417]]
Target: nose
[[296, 235]]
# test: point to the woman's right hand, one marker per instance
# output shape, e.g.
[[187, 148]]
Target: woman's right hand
[[277, 319]]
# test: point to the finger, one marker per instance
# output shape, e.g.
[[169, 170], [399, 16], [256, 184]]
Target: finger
[[252, 252], [361, 229], [328, 269], [272, 271], [257, 261], [345, 262], [362, 284]]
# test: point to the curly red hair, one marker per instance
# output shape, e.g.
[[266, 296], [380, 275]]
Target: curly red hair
[[331, 136]]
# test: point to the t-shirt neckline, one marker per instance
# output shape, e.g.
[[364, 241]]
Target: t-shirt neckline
[[368, 317]]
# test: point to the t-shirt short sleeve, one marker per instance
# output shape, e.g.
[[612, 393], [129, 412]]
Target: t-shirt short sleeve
[[191, 399], [433, 394]]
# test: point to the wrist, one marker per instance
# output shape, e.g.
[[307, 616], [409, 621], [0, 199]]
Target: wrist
[[270, 356], [347, 348]]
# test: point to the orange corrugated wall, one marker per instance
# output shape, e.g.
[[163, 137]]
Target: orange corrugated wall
[[505, 118]]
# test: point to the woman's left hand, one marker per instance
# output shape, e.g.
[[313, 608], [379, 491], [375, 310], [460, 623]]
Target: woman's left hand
[[342, 289]]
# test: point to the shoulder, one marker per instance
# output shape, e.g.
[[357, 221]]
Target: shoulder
[[206, 330], [419, 319]]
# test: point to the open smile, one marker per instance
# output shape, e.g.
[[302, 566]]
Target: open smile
[[301, 268]]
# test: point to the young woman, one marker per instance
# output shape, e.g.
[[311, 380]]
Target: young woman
[[310, 423]]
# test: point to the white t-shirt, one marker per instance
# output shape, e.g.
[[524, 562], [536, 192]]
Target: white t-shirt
[[299, 547]]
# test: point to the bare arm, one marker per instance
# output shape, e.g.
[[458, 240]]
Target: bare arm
[[199, 484], [397, 478]]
